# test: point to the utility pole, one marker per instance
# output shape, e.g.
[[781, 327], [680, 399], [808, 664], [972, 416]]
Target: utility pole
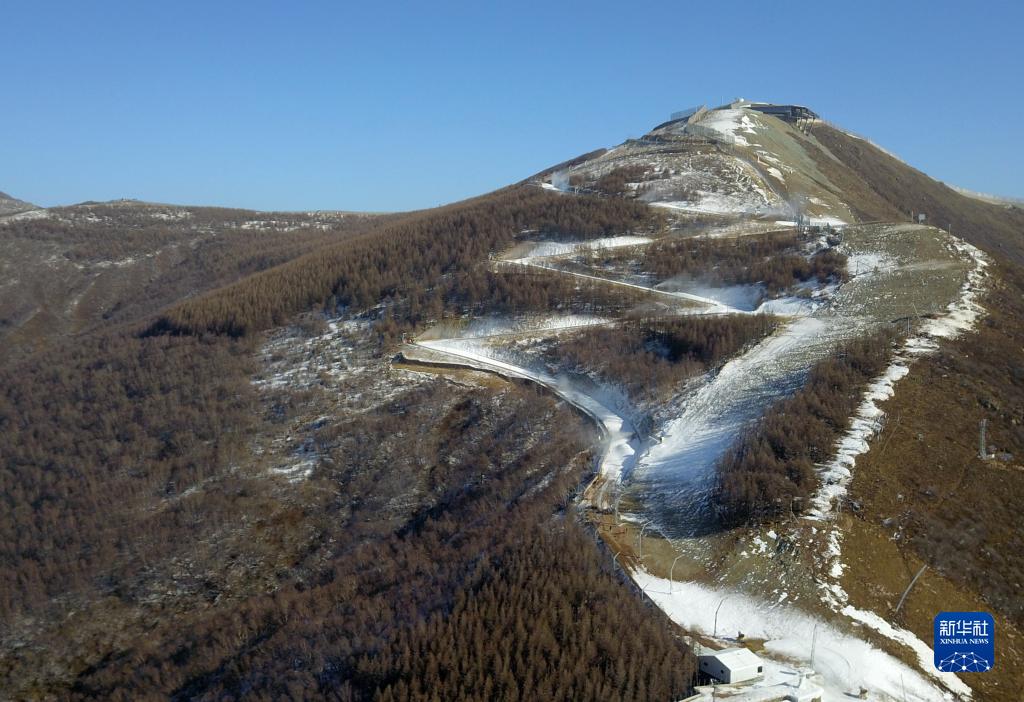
[[714, 633], [814, 644], [907, 591], [642, 528], [671, 580]]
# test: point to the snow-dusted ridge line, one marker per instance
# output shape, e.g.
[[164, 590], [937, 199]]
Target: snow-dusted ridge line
[[859, 137], [24, 215], [1001, 200]]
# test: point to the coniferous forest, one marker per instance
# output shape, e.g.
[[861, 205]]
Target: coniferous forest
[[434, 553], [770, 471], [154, 544], [314, 387]]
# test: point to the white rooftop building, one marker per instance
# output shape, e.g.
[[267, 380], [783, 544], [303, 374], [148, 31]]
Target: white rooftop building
[[732, 665]]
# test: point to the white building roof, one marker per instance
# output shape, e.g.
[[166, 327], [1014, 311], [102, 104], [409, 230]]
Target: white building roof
[[736, 658]]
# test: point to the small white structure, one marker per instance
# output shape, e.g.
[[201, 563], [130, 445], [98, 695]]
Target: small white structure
[[732, 665]]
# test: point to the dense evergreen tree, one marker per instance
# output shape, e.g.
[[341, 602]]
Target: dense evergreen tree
[[145, 555], [432, 260], [774, 260], [648, 357]]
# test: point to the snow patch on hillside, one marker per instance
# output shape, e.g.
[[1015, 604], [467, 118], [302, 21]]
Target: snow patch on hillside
[[24, 216], [961, 316], [752, 203], [483, 327], [865, 425], [729, 124], [545, 249], [863, 262]]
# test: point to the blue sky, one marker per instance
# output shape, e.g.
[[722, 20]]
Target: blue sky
[[304, 105]]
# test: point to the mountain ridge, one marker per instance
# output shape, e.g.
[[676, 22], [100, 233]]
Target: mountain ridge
[[238, 448], [11, 205]]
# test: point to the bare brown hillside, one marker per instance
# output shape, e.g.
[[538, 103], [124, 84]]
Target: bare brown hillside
[[71, 269], [889, 189], [924, 476], [192, 516]]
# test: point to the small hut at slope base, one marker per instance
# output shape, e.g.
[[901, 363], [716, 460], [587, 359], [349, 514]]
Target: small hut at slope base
[[732, 665]]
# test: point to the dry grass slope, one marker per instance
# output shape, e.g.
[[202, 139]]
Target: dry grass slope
[[889, 189]]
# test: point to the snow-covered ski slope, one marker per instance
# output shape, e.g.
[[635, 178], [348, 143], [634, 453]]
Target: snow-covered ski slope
[[468, 347], [676, 475], [755, 173], [897, 271]]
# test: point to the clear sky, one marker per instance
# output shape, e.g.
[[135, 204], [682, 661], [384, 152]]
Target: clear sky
[[385, 106]]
